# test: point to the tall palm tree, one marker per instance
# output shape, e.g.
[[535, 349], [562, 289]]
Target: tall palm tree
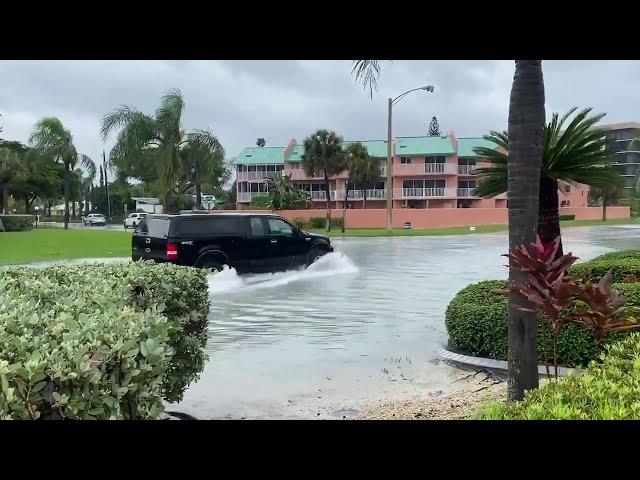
[[323, 153], [575, 154], [86, 174], [53, 139], [364, 172], [526, 134], [203, 157], [367, 72]]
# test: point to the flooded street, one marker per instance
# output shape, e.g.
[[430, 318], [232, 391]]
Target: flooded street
[[360, 327]]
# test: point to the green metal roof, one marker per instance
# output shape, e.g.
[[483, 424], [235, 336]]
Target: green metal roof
[[466, 146], [375, 148], [260, 156], [407, 146]]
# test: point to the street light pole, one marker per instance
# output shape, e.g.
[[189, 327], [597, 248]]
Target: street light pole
[[392, 102]]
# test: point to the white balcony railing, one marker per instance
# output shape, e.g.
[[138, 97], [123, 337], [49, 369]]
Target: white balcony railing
[[466, 169], [247, 196], [424, 169], [424, 192], [299, 174], [376, 194], [246, 176], [467, 192], [320, 195]]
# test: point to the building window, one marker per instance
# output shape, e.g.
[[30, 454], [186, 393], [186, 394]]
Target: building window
[[435, 160], [566, 188], [405, 160], [565, 203]]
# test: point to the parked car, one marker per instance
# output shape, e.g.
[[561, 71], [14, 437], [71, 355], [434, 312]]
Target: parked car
[[133, 220], [94, 219], [248, 242]]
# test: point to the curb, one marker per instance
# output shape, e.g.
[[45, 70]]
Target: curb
[[500, 365]]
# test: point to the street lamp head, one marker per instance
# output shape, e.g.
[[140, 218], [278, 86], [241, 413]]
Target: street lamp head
[[428, 88]]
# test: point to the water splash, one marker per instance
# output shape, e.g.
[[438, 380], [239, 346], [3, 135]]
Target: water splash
[[228, 280]]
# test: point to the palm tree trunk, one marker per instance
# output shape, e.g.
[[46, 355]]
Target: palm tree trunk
[[5, 199], [326, 182], [604, 207], [73, 209], [198, 192], [66, 195], [548, 212], [526, 124]]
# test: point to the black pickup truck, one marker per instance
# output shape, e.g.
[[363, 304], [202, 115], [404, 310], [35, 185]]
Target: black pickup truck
[[248, 242]]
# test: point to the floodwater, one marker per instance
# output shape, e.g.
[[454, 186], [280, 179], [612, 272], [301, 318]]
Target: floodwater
[[360, 327]]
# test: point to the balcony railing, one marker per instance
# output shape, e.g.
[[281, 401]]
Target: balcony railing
[[424, 192], [467, 192], [247, 196], [319, 195], [467, 169], [299, 174], [424, 169], [376, 194], [247, 176]]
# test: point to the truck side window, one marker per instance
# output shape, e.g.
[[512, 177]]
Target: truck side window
[[257, 227], [279, 227]]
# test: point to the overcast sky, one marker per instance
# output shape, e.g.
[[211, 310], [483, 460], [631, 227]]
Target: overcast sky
[[279, 100]]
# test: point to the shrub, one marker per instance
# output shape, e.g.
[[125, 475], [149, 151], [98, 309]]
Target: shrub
[[17, 223], [321, 222], [476, 322], [621, 268], [300, 222], [260, 203], [99, 341], [606, 391], [567, 217]]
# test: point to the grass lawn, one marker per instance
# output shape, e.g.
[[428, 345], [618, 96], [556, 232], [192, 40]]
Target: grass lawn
[[55, 244], [399, 232], [44, 244]]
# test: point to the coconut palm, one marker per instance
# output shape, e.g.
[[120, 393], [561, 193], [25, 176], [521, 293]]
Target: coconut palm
[[575, 154], [526, 131], [284, 194], [54, 140], [364, 173], [323, 154], [85, 175], [203, 159]]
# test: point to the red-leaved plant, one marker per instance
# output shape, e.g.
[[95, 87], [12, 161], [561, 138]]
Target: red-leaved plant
[[563, 299]]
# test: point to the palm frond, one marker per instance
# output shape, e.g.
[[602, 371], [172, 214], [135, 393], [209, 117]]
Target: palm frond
[[367, 73]]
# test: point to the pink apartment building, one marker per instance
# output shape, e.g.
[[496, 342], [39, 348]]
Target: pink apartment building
[[428, 172]]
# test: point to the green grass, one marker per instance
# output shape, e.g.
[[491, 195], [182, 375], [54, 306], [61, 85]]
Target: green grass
[[45, 244], [421, 232], [55, 244]]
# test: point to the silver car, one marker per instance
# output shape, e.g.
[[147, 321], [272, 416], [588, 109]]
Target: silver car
[[133, 220], [94, 219]]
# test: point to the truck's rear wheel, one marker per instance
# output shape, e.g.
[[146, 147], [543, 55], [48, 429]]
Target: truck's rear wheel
[[211, 264]]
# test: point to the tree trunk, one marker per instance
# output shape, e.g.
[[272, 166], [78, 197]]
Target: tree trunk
[[526, 124], [604, 207], [66, 195], [5, 200], [198, 191], [26, 204], [328, 197], [73, 209], [548, 212]]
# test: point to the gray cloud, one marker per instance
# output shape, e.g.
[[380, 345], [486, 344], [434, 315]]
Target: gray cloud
[[278, 100]]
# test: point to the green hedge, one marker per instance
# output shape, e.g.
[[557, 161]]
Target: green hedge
[[17, 223], [260, 202], [105, 341], [567, 217], [321, 222], [608, 390], [301, 222], [621, 267], [476, 321]]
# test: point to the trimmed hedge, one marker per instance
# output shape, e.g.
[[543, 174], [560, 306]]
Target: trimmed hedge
[[17, 223], [103, 341], [476, 321], [260, 202], [567, 217], [321, 222], [623, 268], [608, 390], [300, 222]]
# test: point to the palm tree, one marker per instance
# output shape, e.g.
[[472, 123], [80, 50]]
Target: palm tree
[[36, 177], [323, 153], [364, 172], [52, 139], [204, 159], [85, 176], [575, 155], [284, 194], [261, 142], [10, 166], [367, 72], [526, 131]]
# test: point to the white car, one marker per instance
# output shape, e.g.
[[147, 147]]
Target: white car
[[94, 219], [133, 220]]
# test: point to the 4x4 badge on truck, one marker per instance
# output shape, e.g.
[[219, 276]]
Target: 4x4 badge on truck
[[190, 242]]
